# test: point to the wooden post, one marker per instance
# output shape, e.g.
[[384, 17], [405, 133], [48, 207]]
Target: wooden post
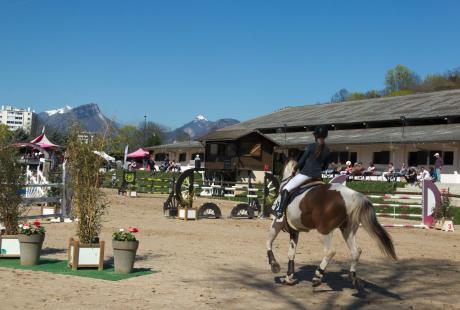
[[63, 214], [265, 196], [101, 255], [76, 253]]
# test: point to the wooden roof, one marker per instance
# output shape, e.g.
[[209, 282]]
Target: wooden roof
[[232, 135], [177, 145], [417, 106], [412, 134]]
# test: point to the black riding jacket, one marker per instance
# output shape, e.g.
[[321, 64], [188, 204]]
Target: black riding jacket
[[311, 166]]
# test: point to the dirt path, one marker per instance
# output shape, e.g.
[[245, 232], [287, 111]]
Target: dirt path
[[215, 264]]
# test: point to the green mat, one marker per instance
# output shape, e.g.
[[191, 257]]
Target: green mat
[[60, 267]]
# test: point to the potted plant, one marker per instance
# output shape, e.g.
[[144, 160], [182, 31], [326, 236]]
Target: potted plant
[[124, 249], [10, 199], [442, 214], [88, 200], [31, 237]]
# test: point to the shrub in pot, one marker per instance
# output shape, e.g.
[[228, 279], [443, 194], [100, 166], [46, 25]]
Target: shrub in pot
[[124, 249], [10, 199], [31, 237], [88, 200]]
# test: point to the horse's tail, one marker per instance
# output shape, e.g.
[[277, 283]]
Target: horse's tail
[[364, 213]]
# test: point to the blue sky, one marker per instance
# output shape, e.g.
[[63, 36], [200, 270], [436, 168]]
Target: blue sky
[[172, 60]]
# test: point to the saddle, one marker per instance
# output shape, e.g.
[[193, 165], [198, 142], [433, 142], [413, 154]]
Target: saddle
[[305, 187]]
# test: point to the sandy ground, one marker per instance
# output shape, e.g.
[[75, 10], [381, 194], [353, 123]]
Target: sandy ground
[[222, 264]]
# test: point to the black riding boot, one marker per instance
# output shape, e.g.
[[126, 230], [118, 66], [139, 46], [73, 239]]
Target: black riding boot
[[283, 204]]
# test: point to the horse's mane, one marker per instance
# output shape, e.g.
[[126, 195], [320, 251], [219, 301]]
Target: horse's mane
[[288, 168]]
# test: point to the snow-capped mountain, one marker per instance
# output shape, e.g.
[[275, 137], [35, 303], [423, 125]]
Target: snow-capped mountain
[[59, 111], [89, 116], [198, 127]]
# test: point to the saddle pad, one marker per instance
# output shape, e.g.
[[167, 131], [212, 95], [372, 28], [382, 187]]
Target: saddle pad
[[303, 189]]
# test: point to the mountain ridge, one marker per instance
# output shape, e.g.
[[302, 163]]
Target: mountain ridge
[[93, 120]]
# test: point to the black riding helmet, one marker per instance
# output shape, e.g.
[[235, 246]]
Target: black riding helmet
[[320, 132]]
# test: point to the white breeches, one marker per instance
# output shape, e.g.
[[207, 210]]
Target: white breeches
[[296, 181]]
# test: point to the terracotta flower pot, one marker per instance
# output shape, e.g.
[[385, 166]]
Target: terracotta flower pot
[[124, 254], [31, 246]]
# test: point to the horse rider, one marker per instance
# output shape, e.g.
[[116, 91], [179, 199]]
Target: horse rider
[[311, 165]]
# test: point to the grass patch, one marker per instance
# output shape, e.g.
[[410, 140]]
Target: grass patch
[[374, 186], [455, 212], [60, 267]]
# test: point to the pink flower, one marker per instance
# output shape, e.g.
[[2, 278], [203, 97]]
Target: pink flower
[[133, 230], [37, 224], [26, 226]]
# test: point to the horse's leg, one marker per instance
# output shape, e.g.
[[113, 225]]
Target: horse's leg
[[294, 238], [329, 253], [349, 234], [275, 228]]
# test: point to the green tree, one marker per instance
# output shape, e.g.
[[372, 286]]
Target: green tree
[[340, 96], [20, 135], [5, 135], [435, 82], [154, 133], [373, 94], [400, 78], [356, 96], [398, 93]]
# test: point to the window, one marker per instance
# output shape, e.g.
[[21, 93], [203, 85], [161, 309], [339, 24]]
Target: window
[[250, 149], [353, 157], [432, 158], [231, 150], [182, 157], [423, 158], [381, 158], [160, 157], [342, 157], [213, 149]]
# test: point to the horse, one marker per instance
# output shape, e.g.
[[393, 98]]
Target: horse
[[325, 207]]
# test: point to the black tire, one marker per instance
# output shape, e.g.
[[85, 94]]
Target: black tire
[[242, 210], [182, 185], [209, 210]]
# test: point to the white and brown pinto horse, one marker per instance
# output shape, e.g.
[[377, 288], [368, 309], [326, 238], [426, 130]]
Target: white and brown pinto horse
[[324, 208]]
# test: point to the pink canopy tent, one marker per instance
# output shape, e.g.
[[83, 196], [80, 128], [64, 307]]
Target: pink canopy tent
[[43, 142], [140, 153]]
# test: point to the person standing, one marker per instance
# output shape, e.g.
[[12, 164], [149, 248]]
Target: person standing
[[437, 167]]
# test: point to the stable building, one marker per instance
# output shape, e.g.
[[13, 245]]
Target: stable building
[[181, 152], [407, 129]]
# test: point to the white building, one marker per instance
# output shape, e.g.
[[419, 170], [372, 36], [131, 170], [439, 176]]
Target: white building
[[16, 118]]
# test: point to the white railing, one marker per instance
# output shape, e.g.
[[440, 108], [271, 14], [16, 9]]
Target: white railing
[[35, 179]]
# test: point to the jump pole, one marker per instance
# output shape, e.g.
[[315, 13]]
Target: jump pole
[[431, 198]]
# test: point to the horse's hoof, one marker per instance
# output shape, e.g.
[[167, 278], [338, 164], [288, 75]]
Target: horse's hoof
[[355, 281], [275, 267], [316, 282], [289, 282]]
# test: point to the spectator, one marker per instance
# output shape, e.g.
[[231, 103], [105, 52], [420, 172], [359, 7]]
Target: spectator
[[114, 180], [389, 174], [402, 172], [437, 167], [348, 168], [151, 163], [432, 174], [358, 169], [411, 175], [370, 171], [197, 162], [424, 174], [132, 166]]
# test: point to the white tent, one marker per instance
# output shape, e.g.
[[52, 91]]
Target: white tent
[[104, 155]]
